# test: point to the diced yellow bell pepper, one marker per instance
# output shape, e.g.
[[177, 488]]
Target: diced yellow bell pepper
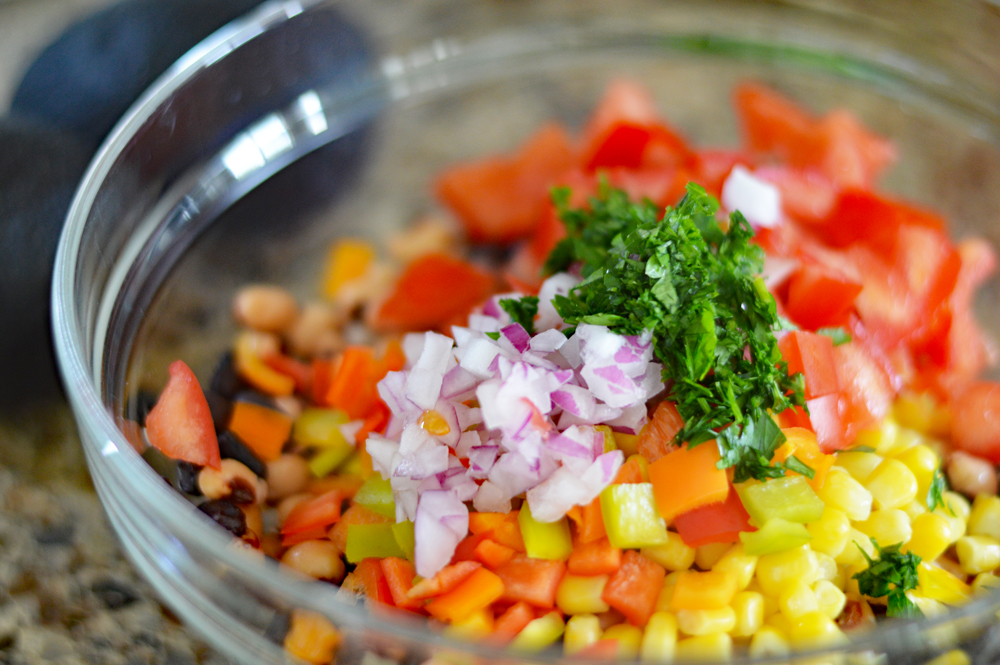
[[371, 540], [376, 495], [789, 498], [777, 535], [630, 516], [543, 540], [539, 633]]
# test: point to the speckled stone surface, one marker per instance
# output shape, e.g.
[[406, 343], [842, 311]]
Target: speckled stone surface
[[67, 593]]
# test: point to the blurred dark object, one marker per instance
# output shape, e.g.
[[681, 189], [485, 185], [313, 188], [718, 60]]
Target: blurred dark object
[[85, 80], [39, 171]]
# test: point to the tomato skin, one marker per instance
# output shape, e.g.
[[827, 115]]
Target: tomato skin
[[867, 392], [715, 523], [180, 424], [820, 297], [975, 424], [861, 216]]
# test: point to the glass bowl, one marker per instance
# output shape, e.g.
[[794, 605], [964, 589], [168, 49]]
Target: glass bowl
[[307, 121]]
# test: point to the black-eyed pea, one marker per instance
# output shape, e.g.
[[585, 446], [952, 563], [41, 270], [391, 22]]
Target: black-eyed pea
[[286, 505], [315, 331], [430, 234], [265, 307], [287, 475], [291, 405], [971, 475], [257, 343], [319, 559], [270, 544], [233, 481]]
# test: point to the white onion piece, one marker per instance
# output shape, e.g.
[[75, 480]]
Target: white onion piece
[[558, 284], [491, 499], [758, 200], [478, 356], [547, 341], [442, 521]]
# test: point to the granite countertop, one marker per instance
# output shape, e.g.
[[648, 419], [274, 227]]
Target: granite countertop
[[68, 595]]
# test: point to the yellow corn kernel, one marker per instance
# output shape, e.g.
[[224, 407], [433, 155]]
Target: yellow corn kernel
[[707, 555], [796, 600], [953, 657], [705, 622], [780, 622], [629, 639], [736, 561], [829, 598], [709, 590], [938, 584], [887, 527], [929, 607], [581, 594], [978, 554], [659, 640], [768, 642], [312, 638], [956, 510], [774, 571], [829, 532], [985, 583], [851, 556], [904, 440], [770, 602], [892, 485], [984, 517], [931, 536], [582, 630], [815, 630], [666, 592], [749, 609], [922, 412], [844, 493], [674, 554], [715, 648], [915, 508], [923, 462], [859, 464], [851, 584], [475, 626], [880, 438], [827, 567]]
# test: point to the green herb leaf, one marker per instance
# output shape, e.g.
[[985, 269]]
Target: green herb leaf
[[493, 335], [935, 493], [890, 576], [522, 310], [698, 289], [838, 335]]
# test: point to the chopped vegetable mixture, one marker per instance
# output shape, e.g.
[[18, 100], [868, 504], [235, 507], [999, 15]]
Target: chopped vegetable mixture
[[712, 404]]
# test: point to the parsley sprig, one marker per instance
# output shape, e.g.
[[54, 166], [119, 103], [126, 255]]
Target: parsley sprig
[[698, 288], [891, 576], [522, 310]]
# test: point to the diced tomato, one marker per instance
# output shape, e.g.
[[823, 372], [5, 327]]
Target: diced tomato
[[370, 580], [806, 194], [624, 100], [860, 216], [812, 355], [180, 424], [632, 145], [433, 289], [499, 199], [715, 523], [826, 420], [867, 390], [711, 167], [774, 124], [853, 156], [511, 622], [597, 557], [657, 438], [820, 297], [975, 422]]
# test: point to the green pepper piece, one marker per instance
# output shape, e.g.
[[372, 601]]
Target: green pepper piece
[[320, 428], [403, 532], [777, 535], [789, 498], [371, 540], [376, 495], [630, 516], [544, 540]]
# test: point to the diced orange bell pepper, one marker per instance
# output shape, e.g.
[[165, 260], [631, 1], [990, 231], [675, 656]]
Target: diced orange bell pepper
[[688, 478]]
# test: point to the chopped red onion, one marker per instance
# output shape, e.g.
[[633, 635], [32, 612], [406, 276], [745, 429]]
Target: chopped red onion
[[442, 520]]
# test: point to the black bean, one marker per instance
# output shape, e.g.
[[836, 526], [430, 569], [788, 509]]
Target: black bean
[[231, 447], [278, 627], [139, 405], [187, 478], [220, 407], [226, 514], [59, 534], [113, 593], [225, 381]]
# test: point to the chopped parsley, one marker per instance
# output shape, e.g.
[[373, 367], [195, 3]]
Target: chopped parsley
[[522, 310], [891, 576], [935, 493], [838, 335], [698, 288]]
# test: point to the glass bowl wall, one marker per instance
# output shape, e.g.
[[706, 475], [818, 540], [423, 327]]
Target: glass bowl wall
[[287, 130]]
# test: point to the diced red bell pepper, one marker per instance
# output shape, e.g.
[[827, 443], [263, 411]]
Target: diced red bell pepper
[[715, 523], [534, 581], [180, 424], [370, 580], [634, 587], [812, 355], [317, 512]]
